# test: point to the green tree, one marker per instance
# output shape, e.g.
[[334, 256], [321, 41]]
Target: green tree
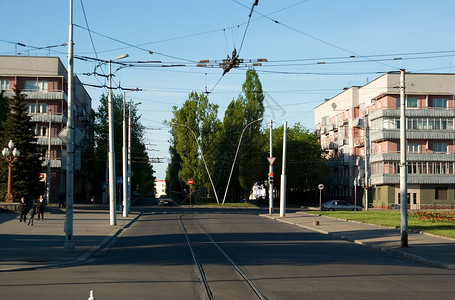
[[198, 116], [26, 171], [305, 163], [143, 179]]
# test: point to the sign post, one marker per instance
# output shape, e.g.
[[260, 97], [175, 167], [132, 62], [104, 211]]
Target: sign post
[[190, 182], [320, 187]]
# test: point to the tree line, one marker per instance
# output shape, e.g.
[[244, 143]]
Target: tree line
[[198, 135]]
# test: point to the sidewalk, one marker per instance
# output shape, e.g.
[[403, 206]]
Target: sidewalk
[[30, 247], [423, 248]]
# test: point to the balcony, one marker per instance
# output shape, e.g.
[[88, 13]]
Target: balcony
[[40, 95], [44, 118], [357, 122], [44, 141], [413, 157], [413, 112], [413, 134], [55, 163], [413, 179]]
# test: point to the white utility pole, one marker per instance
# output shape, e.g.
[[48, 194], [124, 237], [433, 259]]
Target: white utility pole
[[271, 172], [48, 191], [124, 163], [403, 164], [367, 158], [283, 175], [112, 179], [68, 227]]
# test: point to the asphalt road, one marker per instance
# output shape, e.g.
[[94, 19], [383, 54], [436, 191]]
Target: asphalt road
[[152, 260]]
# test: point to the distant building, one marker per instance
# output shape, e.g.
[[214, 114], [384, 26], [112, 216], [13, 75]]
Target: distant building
[[160, 188], [44, 81], [340, 123]]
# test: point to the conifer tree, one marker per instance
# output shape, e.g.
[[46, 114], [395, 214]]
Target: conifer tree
[[26, 171]]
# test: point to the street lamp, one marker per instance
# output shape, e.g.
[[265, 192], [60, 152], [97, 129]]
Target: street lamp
[[235, 157], [111, 160], [10, 155], [128, 203], [203, 159], [124, 159]]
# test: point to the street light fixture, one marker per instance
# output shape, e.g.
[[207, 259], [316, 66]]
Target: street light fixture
[[111, 160], [235, 157], [10, 155], [203, 159]]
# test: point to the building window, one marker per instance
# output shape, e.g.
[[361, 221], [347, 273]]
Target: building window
[[439, 147], [4, 85], [413, 147], [439, 102], [42, 108], [33, 85], [411, 102], [30, 108], [441, 193]]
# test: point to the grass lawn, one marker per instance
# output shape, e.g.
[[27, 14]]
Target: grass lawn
[[392, 219]]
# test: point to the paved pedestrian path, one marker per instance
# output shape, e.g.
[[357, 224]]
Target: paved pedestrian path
[[25, 247], [424, 248]]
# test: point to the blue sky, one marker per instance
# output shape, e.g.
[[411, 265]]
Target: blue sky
[[308, 44]]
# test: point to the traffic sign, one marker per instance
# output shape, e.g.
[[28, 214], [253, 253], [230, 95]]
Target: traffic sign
[[105, 186], [271, 160], [190, 181], [119, 179], [321, 186]]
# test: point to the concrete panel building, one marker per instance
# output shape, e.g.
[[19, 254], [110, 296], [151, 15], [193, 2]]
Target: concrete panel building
[[44, 82], [363, 124]]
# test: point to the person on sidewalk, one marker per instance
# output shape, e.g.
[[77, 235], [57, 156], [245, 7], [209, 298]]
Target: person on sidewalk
[[23, 209], [61, 198], [40, 208], [31, 215]]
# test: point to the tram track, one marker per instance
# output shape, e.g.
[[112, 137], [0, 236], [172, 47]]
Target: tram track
[[206, 252]]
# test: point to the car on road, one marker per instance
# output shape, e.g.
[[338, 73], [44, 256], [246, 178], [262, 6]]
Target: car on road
[[165, 200], [339, 205]]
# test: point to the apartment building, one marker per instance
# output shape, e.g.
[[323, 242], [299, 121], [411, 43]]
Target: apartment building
[[44, 82], [363, 124]]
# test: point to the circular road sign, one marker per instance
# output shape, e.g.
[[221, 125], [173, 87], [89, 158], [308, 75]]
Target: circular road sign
[[190, 181], [321, 186]]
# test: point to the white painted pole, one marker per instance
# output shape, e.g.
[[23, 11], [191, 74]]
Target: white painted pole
[[283, 175], [125, 164], [112, 181], [48, 191], [271, 172], [367, 160], [129, 160], [403, 164], [68, 226]]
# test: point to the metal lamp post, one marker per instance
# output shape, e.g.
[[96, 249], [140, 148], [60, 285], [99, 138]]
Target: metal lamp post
[[235, 157], [124, 160], [10, 155], [48, 181], [128, 181], [111, 161]]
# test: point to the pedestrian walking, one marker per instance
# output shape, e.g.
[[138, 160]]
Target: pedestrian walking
[[40, 207], [31, 215], [61, 198], [23, 209]]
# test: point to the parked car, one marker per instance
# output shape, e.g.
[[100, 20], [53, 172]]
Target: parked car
[[339, 205], [165, 200]]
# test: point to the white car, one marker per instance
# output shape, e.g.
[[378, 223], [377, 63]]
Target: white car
[[339, 205]]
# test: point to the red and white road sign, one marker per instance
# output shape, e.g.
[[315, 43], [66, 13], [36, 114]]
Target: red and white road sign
[[321, 186], [190, 181], [271, 160]]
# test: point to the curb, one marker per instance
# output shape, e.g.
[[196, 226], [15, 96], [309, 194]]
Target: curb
[[397, 252], [114, 234]]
